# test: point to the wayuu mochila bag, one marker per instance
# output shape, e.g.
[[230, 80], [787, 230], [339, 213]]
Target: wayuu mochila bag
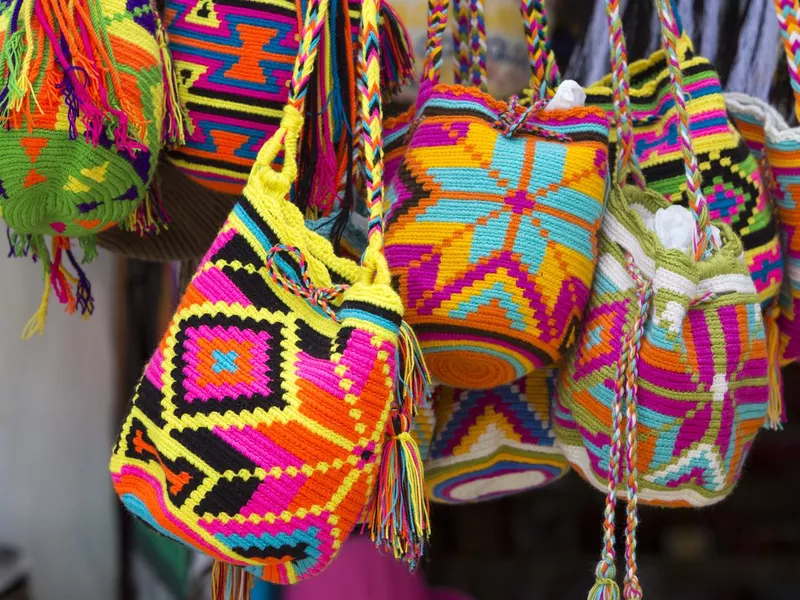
[[234, 62], [491, 226], [275, 413], [86, 103], [731, 180], [489, 444], [778, 148], [660, 399]]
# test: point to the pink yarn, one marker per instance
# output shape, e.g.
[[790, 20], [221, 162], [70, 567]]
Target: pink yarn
[[361, 572]]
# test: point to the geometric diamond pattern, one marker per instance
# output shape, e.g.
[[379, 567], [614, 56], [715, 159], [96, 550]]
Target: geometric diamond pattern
[[255, 430]]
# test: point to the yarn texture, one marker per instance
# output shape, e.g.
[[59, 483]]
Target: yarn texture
[[491, 225], [82, 99], [702, 363], [493, 443], [732, 183], [257, 430], [778, 148]]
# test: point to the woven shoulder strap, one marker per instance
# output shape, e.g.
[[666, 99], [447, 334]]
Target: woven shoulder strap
[[277, 183], [469, 37], [788, 12], [670, 34]]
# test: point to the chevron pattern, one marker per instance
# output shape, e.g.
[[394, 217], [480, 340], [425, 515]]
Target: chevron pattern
[[702, 366], [489, 444]]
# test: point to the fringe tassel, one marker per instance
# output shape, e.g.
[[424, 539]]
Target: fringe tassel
[[414, 380], [397, 52], [150, 217], [175, 117], [399, 517], [776, 415], [399, 513], [35, 324], [230, 582], [72, 288], [605, 586]]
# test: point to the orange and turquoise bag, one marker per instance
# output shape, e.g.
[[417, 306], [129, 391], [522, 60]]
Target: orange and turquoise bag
[[492, 223], [283, 388]]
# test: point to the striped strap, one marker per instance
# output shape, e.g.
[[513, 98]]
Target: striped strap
[[788, 12], [697, 202], [469, 41], [469, 38], [627, 161], [372, 129]]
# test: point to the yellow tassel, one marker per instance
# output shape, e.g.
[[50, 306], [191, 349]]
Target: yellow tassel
[[775, 415], [36, 322]]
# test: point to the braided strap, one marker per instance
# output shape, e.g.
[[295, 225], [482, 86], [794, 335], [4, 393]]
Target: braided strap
[[632, 590], [788, 12], [535, 18], [697, 201], [627, 161], [372, 131], [469, 40]]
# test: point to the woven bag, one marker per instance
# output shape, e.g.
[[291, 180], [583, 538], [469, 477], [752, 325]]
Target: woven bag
[[778, 148], [731, 180], [493, 443], [234, 63], [491, 230], [258, 428], [86, 103], [660, 399]]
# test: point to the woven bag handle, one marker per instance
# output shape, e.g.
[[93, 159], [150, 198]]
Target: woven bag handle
[[469, 42], [286, 137], [788, 12], [279, 183], [670, 33], [372, 134], [437, 23], [469, 39], [627, 162]]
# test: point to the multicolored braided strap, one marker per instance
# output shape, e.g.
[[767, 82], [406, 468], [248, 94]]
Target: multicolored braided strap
[[730, 179], [275, 413], [86, 103], [778, 148], [493, 443], [661, 398], [491, 226]]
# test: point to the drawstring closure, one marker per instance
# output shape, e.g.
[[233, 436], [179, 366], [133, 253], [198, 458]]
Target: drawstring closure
[[626, 395]]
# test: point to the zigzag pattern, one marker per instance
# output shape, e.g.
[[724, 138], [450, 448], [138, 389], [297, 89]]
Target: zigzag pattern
[[234, 60], [488, 444]]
